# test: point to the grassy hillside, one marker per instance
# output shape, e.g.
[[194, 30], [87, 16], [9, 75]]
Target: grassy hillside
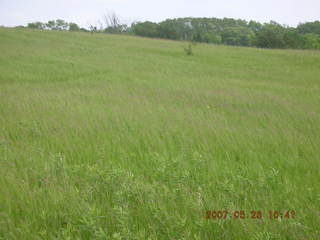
[[116, 137]]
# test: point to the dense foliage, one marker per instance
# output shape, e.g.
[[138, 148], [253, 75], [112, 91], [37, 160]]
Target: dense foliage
[[233, 32], [56, 25], [226, 31]]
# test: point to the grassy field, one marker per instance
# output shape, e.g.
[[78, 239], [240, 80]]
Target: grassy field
[[118, 137]]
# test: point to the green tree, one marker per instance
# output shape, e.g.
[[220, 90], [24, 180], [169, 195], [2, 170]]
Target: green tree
[[255, 26], [240, 36], [146, 29], [311, 41], [51, 24], [292, 39], [61, 25], [74, 27], [210, 37], [169, 29], [113, 24], [309, 27], [36, 25], [271, 36]]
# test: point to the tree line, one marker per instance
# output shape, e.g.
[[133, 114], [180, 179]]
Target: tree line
[[58, 24], [226, 31], [235, 32]]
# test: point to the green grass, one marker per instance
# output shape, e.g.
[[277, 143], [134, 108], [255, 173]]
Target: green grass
[[118, 137]]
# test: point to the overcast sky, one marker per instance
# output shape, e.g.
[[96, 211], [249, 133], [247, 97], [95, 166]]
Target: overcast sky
[[86, 12]]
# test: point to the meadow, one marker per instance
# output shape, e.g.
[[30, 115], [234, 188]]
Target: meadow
[[120, 137]]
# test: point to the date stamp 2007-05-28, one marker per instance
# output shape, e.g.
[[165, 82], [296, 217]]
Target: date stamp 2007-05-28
[[254, 214]]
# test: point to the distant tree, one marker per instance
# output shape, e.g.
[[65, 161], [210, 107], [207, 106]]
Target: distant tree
[[146, 29], [309, 27], [311, 41], [74, 27], [113, 23], [169, 29], [292, 39], [209, 30], [61, 25], [255, 26], [210, 37], [93, 29], [271, 36], [36, 25], [240, 36], [58, 24], [111, 20], [51, 25]]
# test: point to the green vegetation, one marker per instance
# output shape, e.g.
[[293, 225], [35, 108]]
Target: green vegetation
[[119, 137], [58, 24], [227, 31], [234, 32]]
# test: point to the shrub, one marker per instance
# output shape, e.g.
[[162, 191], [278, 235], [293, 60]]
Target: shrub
[[188, 50]]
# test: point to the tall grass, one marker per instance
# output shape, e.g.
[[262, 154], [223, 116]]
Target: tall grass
[[116, 137]]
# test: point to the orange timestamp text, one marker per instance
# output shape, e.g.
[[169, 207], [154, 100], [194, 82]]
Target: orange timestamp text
[[254, 214]]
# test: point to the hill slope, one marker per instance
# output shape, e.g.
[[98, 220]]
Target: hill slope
[[105, 136]]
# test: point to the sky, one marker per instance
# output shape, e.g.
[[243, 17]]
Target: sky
[[90, 12]]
